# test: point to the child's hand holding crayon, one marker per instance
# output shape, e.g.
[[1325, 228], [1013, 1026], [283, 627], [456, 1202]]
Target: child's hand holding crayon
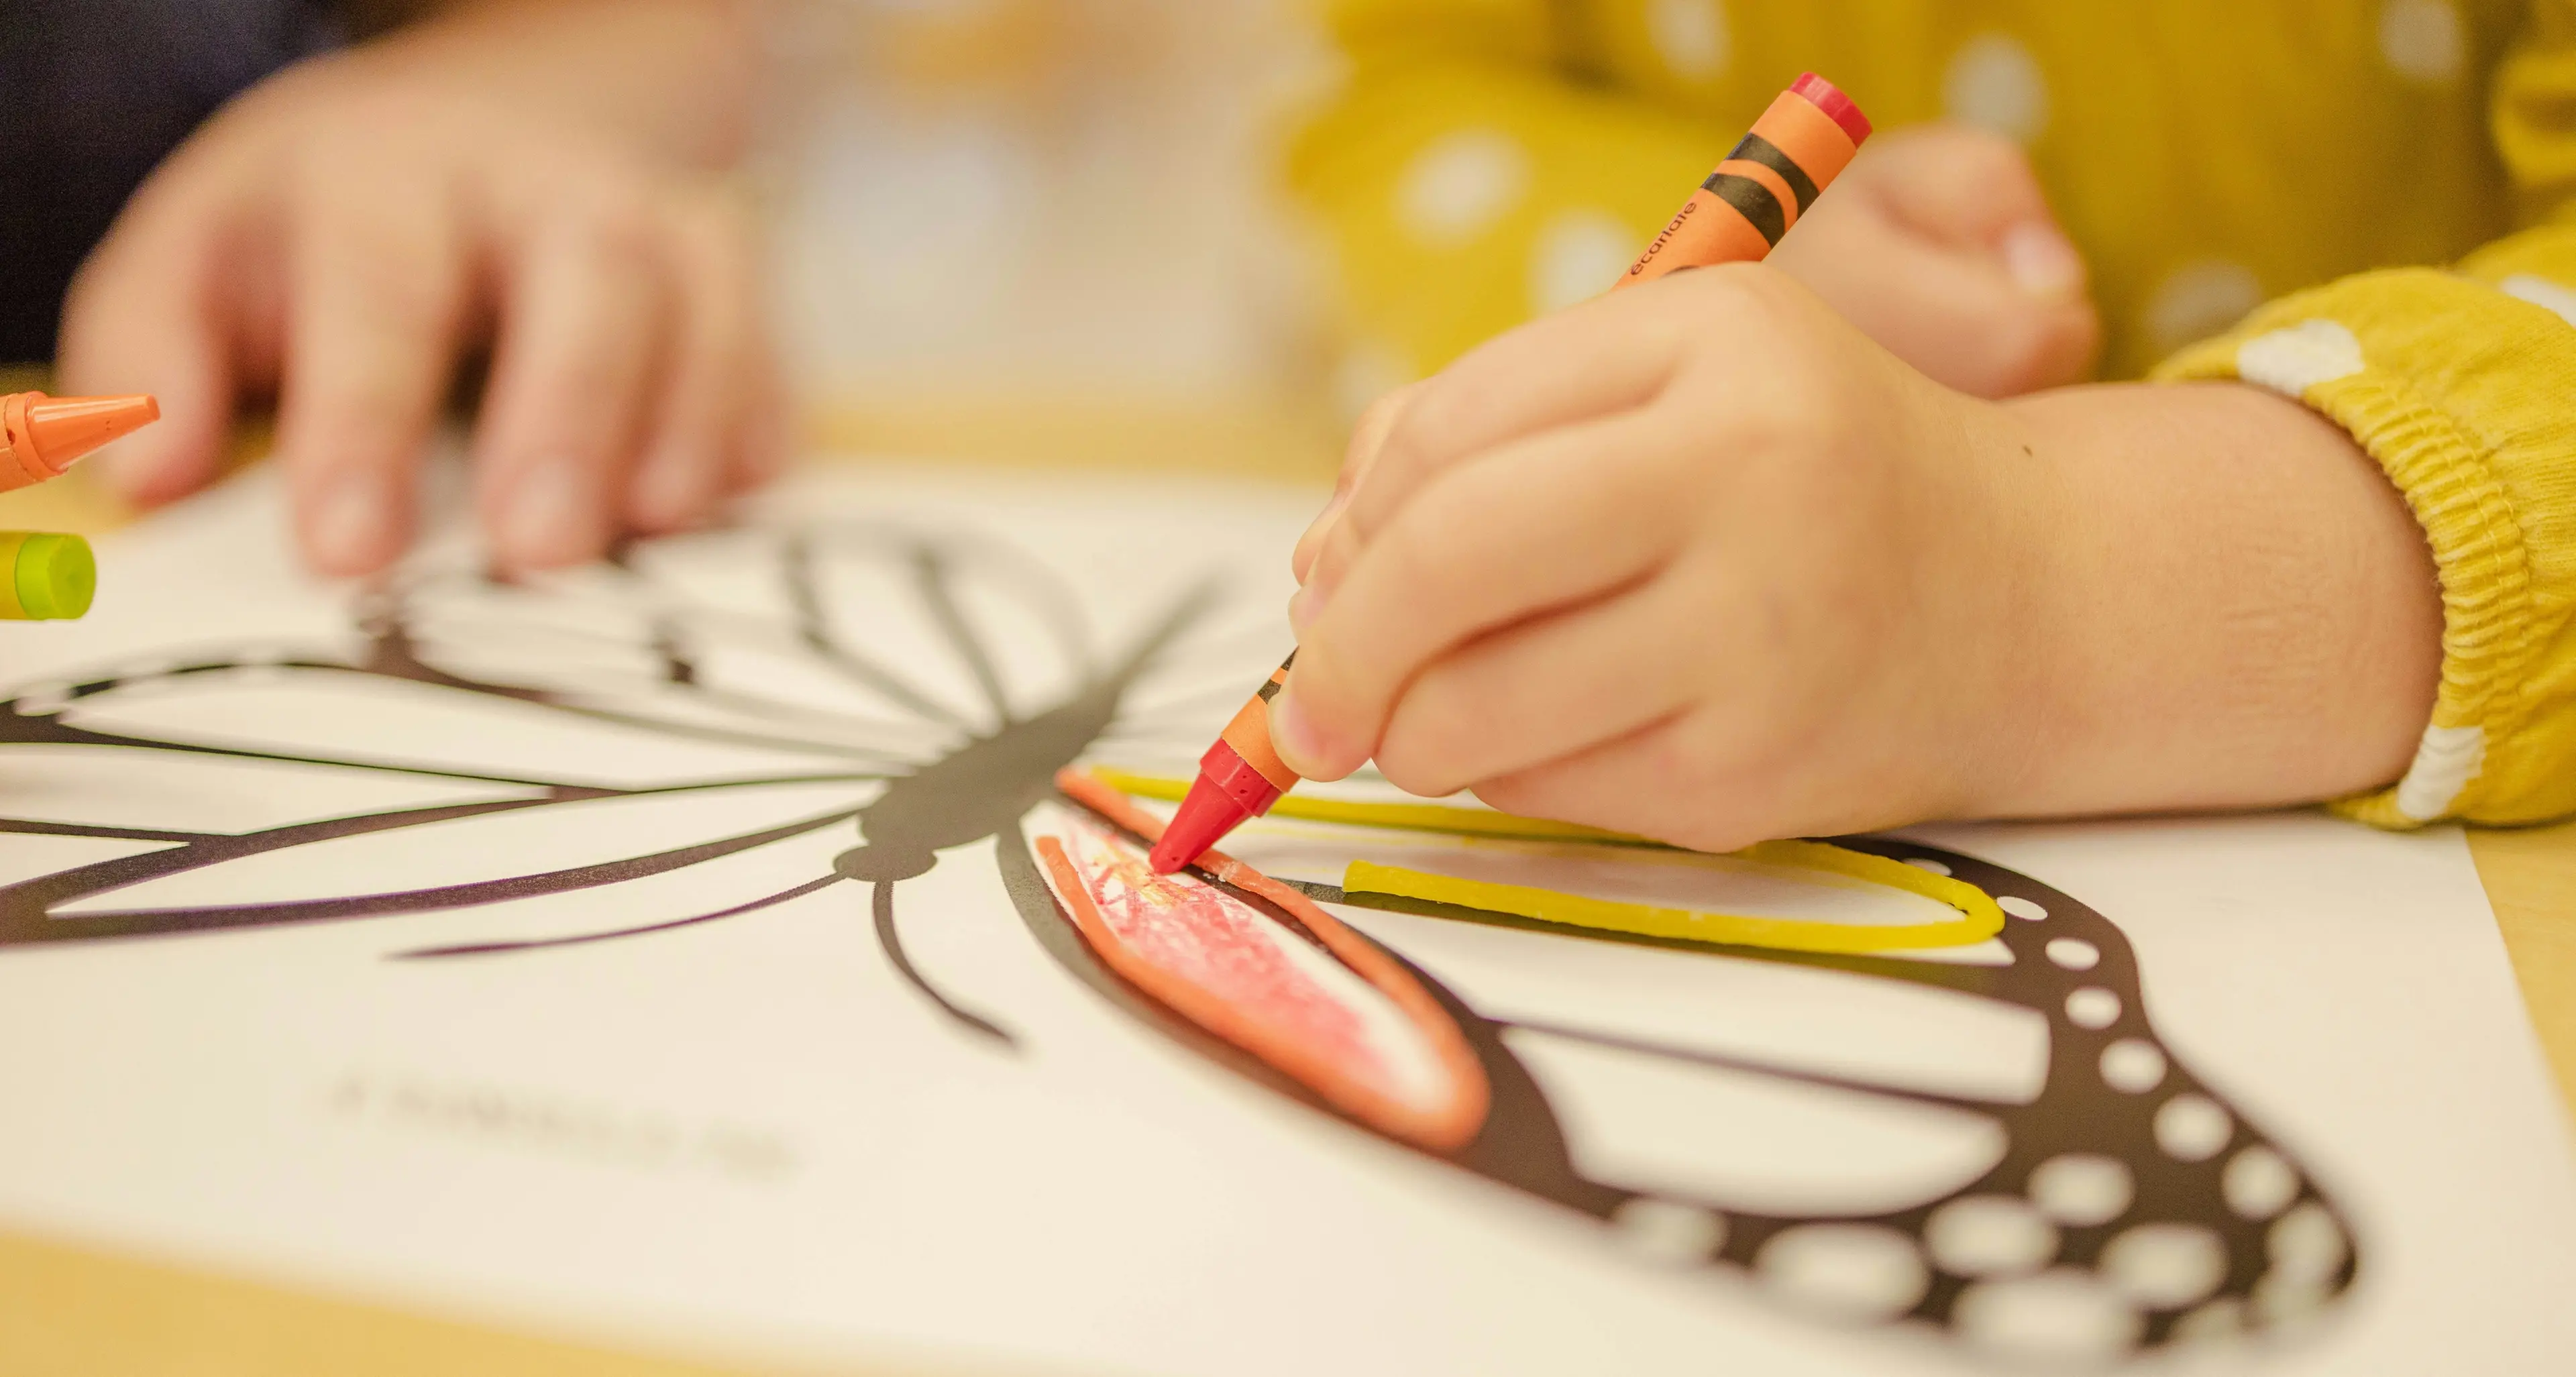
[[535, 178], [1701, 561]]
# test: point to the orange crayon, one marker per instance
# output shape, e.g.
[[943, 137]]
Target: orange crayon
[[1239, 778], [41, 436], [1795, 151]]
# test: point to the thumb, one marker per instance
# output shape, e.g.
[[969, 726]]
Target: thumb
[[1968, 189], [146, 314]]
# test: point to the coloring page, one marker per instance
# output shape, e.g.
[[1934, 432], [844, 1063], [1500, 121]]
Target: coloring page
[[744, 946]]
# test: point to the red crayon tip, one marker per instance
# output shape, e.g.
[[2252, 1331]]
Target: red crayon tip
[[1828, 97], [1229, 792], [1204, 817]]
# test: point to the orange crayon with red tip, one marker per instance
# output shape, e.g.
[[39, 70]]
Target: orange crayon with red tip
[[41, 437], [1239, 778], [1795, 151]]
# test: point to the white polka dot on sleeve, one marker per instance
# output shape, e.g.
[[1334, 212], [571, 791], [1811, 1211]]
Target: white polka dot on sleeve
[[2445, 761], [1690, 36], [1995, 84], [2422, 40], [1459, 184], [1576, 257], [2198, 300], [2293, 360], [2543, 293]]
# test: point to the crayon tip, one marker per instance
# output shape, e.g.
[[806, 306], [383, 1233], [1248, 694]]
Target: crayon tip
[[62, 429], [1202, 820], [1829, 98]]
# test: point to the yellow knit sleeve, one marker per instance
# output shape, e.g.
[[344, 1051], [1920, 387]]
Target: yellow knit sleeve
[[2462, 384], [1467, 180]]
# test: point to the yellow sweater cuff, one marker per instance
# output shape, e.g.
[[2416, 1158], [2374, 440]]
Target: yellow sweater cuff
[[2460, 392]]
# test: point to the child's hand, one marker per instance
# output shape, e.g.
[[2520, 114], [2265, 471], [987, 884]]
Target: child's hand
[[523, 177], [1699, 561], [1939, 244]]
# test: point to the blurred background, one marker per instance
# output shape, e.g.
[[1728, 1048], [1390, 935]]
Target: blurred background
[[1052, 229]]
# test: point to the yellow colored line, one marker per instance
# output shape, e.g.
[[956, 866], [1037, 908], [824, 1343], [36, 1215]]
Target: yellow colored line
[[1408, 817], [1979, 917]]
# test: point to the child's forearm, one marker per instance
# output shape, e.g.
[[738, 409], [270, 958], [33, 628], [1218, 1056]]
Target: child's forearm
[[2243, 611]]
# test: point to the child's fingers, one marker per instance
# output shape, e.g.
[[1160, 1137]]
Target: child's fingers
[[1545, 689], [1367, 437], [378, 294], [1629, 784], [1603, 357], [1964, 187], [1556, 519], [1961, 318], [712, 382], [579, 338], [756, 451], [146, 315], [1607, 355]]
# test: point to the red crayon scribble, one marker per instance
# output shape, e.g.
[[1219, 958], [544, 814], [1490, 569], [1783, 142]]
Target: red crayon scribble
[[1232, 969]]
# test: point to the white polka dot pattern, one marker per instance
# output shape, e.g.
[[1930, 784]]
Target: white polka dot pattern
[[2543, 293], [1459, 185], [2292, 360], [2422, 40], [2200, 299], [1995, 84], [2445, 762], [1690, 36], [1578, 255], [1367, 371]]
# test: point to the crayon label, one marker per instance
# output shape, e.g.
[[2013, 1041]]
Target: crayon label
[[1249, 735]]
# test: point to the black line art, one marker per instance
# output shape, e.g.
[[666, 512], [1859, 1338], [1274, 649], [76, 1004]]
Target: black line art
[[2150, 1209]]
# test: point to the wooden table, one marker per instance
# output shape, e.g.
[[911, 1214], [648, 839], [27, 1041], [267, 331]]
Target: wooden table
[[77, 1310]]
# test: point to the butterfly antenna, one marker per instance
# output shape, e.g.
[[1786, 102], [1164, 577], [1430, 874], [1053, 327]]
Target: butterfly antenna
[[892, 941]]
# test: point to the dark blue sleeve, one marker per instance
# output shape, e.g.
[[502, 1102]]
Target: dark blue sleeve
[[96, 93]]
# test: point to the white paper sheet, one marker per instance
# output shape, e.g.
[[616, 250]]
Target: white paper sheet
[[750, 1133]]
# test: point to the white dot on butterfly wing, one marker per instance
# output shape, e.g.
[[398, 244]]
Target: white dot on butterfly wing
[[2062, 1318], [1576, 257], [2422, 40], [2292, 360], [1995, 84], [1459, 184], [1690, 36], [2200, 299]]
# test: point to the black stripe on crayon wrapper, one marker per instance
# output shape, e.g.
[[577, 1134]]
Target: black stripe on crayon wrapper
[[1270, 686], [1752, 198], [1757, 149]]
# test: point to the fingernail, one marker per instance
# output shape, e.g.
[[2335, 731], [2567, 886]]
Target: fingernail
[[552, 515], [1295, 738], [2041, 261], [351, 523]]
